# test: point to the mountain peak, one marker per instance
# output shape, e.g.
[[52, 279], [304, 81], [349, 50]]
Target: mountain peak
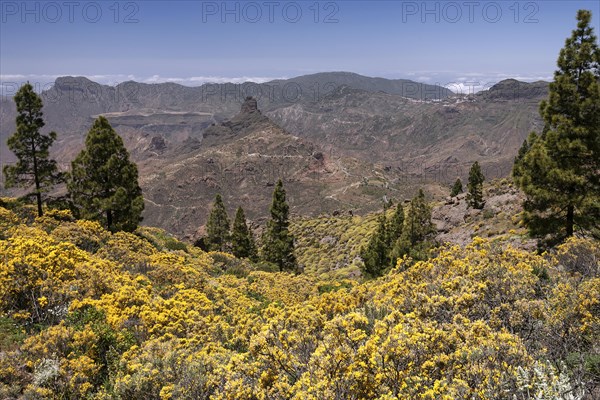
[[73, 81], [512, 89], [250, 105]]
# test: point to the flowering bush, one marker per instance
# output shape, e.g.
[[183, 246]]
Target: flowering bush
[[90, 314]]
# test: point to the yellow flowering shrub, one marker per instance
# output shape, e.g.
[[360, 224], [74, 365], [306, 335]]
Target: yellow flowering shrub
[[128, 250], [8, 220], [91, 314], [168, 272], [579, 256], [52, 218], [329, 247], [87, 235], [39, 276], [481, 281]]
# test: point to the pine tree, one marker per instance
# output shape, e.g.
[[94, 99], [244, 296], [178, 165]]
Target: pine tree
[[518, 163], [104, 183], [242, 240], [278, 242], [34, 167], [418, 233], [376, 255], [418, 225], [396, 225], [475, 187], [457, 188], [217, 227], [560, 170]]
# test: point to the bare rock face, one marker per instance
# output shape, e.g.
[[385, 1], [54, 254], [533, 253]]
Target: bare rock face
[[247, 120], [250, 105], [451, 214]]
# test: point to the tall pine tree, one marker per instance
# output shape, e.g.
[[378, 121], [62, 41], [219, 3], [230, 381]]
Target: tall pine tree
[[419, 231], [376, 255], [217, 227], [242, 240], [518, 166], [475, 187], [559, 170], [34, 168], [278, 242], [104, 183], [396, 224]]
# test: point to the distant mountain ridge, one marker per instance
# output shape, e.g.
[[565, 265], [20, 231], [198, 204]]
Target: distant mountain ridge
[[71, 101], [341, 139], [512, 89], [327, 81]]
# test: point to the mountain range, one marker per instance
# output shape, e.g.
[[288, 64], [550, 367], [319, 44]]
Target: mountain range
[[340, 141]]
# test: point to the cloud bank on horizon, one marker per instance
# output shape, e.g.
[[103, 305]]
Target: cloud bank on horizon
[[466, 83]]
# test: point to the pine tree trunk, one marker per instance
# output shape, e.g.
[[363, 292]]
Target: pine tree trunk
[[109, 220], [570, 214], [38, 193]]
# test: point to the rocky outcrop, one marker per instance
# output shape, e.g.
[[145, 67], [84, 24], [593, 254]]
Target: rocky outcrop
[[248, 117], [250, 105]]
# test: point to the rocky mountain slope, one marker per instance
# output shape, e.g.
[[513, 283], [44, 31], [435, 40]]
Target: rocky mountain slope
[[340, 141], [242, 159], [342, 236], [177, 112], [432, 140]]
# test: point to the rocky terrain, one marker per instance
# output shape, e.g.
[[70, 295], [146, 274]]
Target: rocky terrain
[[242, 159], [500, 217], [342, 236], [436, 140], [340, 141]]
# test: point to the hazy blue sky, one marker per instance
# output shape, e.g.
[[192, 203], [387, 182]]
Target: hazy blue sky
[[472, 42]]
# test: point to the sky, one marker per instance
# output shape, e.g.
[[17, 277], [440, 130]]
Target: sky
[[464, 45]]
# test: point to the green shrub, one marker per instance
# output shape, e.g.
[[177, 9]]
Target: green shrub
[[174, 244], [487, 214]]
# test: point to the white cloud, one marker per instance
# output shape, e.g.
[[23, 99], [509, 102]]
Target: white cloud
[[465, 88]]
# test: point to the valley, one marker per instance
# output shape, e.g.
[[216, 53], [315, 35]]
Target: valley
[[342, 141]]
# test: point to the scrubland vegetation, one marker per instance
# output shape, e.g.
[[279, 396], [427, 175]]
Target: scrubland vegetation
[[87, 313]]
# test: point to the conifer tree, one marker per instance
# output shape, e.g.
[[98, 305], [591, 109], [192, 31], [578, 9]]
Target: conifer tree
[[242, 240], [396, 225], [418, 226], [518, 163], [475, 187], [457, 188], [217, 227], [104, 183], [34, 168], [418, 233], [559, 170], [278, 242], [376, 254]]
